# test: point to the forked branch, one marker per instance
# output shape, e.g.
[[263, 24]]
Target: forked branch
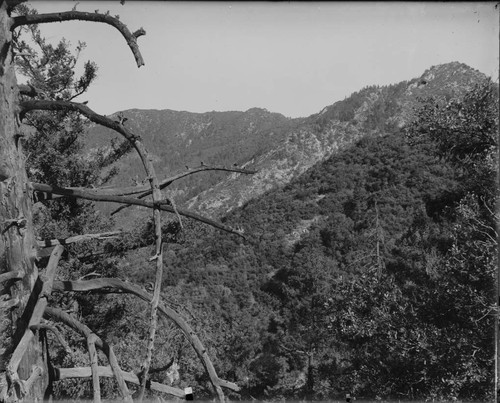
[[56, 333], [145, 190], [163, 205], [130, 37], [167, 182]]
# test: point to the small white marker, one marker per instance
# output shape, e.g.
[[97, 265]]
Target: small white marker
[[188, 392]]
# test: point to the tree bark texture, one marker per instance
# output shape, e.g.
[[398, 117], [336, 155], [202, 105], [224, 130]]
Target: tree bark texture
[[17, 243]]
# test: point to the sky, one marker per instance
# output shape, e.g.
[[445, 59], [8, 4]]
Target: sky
[[294, 58]]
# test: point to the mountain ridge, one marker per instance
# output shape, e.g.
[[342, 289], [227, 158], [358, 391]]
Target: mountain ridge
[[379, 110], [278, 147]]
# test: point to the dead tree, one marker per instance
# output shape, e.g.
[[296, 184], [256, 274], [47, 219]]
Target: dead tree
[[24, 287]]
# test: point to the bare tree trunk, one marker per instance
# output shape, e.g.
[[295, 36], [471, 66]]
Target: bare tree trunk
[[17, 246]]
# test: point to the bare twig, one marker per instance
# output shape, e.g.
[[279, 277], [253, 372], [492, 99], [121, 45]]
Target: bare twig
[[30, 105], [130, 37]]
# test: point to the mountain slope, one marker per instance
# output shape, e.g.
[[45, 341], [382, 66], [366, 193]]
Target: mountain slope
[[372, 270], [279, 148], [372, 111], [361, 274], [177, 140]]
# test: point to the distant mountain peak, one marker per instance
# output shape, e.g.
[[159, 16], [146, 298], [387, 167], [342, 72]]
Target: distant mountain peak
[[451, 68], [256, 109], [448, 80], [449, 76]]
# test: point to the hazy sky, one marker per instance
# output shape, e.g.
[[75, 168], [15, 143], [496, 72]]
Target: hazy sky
[[288, 57]]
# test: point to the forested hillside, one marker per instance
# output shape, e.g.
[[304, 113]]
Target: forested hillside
[[368, 112], [372, 273], [279, 148]]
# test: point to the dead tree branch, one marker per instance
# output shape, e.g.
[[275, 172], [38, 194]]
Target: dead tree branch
[[117, 284], [56, 333], [156, 204], [29, 90], [130, 37], [6, 304], [63, 317], [36, 372], [147, 162], [145, 190], [94, 367], [167, 182], [77, 238], [164, 206], [11, 275], [85, 372], [30, 105], [36, 316]]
